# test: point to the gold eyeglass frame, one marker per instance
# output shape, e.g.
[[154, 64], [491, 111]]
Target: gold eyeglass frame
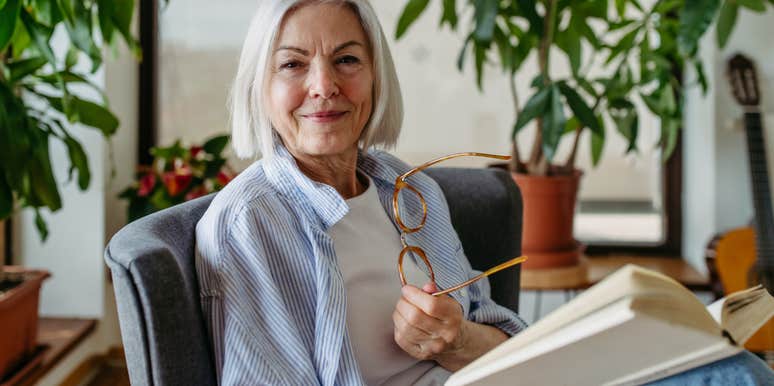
[[400, 184]]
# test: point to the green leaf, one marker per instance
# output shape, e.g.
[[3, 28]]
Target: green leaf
[[6, 197], [105, 10], [47, 12], [90, 114], [504, 49], [569, 42], [726, 22], [121, 17], [695, 18], [449, 13], [40, 224], [620, 7], [670, 130], [534, 108], [553, 123], [78, 161], [480, 53], [580, 108], [754, 5], [701, 76], [71, 77], [19, 41], [40, 35], [625, 44], [71, 59], [484, 15], [216, 145], [597, 144], [625, 117], [40, 175], [9, 14], [410, 14], [20, 69], [78, 25], [463, 51]]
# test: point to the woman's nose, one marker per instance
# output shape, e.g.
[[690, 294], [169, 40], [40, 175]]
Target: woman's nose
[[323, 82]]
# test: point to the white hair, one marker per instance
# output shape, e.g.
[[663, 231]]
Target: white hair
[[251, 129]]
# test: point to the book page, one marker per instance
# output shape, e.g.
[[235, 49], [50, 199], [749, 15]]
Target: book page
[[742, 313]]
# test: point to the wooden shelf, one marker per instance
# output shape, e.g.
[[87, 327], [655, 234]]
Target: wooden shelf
[[597, 268], [57, 337]]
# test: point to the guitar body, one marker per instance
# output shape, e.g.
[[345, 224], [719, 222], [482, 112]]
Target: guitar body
[[734, 256]]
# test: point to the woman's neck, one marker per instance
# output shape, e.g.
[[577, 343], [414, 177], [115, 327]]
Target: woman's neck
[[338, 171]]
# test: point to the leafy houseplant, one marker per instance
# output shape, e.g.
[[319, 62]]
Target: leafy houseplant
[[640, 51], [178, 174], [36, 98]]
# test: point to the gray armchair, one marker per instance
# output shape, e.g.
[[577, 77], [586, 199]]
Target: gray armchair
[[152, 264]]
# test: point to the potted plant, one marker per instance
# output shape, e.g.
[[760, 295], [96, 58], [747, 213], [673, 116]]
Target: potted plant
[[36, 99], [641, 49], [178, 174]]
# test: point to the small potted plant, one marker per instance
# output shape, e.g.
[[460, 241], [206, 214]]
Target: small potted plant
[[637, 51], [36, 101], [178, 174]]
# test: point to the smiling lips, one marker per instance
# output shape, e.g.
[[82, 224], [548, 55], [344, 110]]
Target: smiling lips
[[325, 116]]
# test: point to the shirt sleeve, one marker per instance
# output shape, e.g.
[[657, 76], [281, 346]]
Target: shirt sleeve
[[484, 310], [237, 349]]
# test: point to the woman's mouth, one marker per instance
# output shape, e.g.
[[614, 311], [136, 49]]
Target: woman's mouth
[[325, 116]]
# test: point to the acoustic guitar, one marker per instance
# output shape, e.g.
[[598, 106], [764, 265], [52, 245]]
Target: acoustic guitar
[[745, 257]]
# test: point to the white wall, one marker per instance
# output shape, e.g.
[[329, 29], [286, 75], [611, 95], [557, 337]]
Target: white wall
[[717, 192]]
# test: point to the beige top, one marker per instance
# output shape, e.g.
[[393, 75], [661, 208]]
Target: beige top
[[367, 245]]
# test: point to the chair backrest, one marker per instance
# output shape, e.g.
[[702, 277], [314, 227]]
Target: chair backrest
[[157, 293]]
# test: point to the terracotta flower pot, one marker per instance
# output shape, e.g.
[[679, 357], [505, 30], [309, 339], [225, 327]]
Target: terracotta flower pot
[[19, 319], [549, 212]]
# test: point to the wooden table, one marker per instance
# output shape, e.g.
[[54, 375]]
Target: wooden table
[[592, 270], [56, 337]]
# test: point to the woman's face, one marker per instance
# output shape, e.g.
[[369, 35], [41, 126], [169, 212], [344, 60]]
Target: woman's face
[[321, 81]]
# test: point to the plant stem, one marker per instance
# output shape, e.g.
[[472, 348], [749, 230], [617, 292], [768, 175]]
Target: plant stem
[[537, 162]]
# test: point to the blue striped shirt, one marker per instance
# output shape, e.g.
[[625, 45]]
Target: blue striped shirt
[[271, 291]]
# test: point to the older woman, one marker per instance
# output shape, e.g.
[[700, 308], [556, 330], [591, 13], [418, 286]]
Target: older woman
[[296, 257]]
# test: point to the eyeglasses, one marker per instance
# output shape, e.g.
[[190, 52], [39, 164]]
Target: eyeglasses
[[400, 184]]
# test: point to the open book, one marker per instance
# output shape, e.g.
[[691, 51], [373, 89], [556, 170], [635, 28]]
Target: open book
[[633, 327]]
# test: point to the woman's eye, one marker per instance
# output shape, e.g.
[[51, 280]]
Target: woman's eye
[[292, 65], [349, 59]]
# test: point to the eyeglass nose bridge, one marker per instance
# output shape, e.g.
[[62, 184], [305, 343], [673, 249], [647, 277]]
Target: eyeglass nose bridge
[[421, 254], [400, 185]]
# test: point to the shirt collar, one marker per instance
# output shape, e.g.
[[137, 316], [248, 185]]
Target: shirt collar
[[283, 172]]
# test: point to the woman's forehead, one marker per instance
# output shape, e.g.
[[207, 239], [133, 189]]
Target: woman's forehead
[[323, 26]]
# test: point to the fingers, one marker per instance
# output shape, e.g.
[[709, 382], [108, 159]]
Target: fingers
[[417, 343], [439, 307], [417, 319]]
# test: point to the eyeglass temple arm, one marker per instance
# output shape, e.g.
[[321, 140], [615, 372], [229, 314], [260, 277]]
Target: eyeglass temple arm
[[450, 156], [507, 264]]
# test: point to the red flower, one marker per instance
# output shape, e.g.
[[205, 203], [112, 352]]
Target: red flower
[[147, 183], [195, 150], [176, 183], [223, 178], [196, 193]]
